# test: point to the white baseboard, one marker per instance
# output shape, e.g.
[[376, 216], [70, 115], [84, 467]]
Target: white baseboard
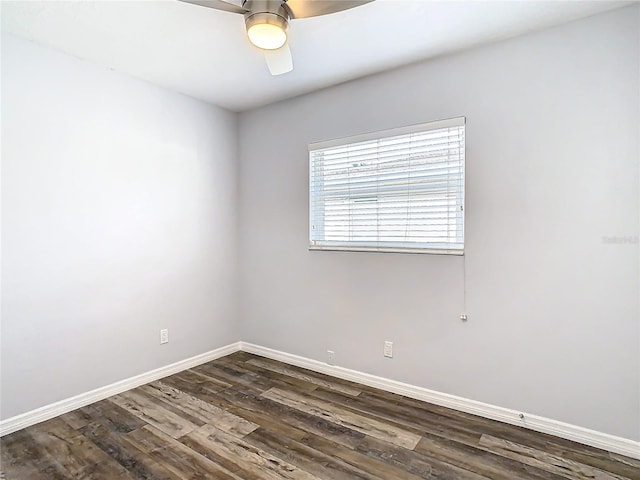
[[575, 433], [582, 435], [52, 410]]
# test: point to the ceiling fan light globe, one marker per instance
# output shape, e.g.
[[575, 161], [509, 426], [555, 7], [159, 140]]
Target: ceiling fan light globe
[[267, 36]]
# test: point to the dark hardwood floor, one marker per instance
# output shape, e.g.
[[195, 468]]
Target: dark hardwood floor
[[246, 417]]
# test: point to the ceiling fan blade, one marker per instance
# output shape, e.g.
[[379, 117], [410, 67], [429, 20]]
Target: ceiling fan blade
[[279, 61], [218, 5], [314, 8]]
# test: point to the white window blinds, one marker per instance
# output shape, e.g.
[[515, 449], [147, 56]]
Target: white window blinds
[[398, 190]]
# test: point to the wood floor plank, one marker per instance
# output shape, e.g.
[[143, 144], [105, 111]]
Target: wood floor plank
[[245, 417], [176, 457], [276, 379], [420, 420], [319, 425], [319, 376], [314, 461], [372, 464], [366, 425], [76, 419], [467, 429], [124, 452], [544, 461], [632, 462], [421, 408], [196, 379], [627, 462], [170, 405], [382, 411], [578, 453], [23, 459], [240, 357], [206, 412], [153, 413], [461, 420], [254, 462], [427, 415], [281, 426], [479, 460], [75, 453], [221, 372], [198, 389], [290, 372], [456, 420], [415, 462], [112, 416]]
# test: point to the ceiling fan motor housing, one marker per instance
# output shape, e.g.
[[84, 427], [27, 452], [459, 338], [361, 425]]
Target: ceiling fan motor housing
[[272, 12]]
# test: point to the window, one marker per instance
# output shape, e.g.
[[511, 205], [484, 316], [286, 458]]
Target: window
[[400, 190]]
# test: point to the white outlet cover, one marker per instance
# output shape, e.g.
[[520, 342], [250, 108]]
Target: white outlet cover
[[330, 354], [164, 335], [388, 349]]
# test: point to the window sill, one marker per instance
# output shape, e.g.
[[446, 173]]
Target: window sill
[[429, 251]]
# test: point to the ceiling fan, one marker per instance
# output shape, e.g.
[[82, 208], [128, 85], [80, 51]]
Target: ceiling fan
[[266, 22]]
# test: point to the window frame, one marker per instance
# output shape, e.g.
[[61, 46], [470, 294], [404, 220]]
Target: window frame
[[375, 246]]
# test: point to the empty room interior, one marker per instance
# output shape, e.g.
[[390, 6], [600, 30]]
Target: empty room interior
[[320, 239]]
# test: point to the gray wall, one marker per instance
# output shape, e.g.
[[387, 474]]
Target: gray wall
[[118, 219], [552, 168]]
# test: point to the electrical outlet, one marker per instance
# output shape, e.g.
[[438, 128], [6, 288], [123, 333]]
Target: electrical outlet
[[164, 335], [388, 349], [330, 357]]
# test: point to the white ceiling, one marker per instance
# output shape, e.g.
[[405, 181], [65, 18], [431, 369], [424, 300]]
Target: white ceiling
[[204, 53]]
